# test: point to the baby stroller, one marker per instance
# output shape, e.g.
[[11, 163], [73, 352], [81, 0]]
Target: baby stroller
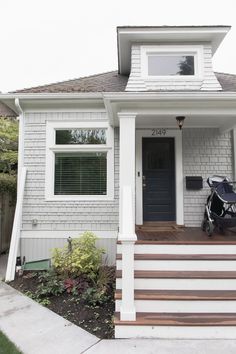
[[220, 209]]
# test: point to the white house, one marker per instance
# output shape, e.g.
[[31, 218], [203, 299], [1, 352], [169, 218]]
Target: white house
[[105, 153]]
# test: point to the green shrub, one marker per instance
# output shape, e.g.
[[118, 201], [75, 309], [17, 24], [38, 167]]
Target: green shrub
[[82, 257], [49, 285], [8, 183]]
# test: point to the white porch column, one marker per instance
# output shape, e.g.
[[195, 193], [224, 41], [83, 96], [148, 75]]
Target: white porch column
[[127, 213]]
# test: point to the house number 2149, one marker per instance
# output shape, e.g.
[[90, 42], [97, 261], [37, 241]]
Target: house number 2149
[[159, 132]]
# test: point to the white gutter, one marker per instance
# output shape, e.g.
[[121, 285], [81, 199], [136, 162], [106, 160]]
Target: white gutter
[[49, 96], [151, 96]]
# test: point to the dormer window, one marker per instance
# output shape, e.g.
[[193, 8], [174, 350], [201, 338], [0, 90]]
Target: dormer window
[[168, 62], [170, 65]]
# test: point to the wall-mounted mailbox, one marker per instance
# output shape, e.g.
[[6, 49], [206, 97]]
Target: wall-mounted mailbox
[[194, 182]]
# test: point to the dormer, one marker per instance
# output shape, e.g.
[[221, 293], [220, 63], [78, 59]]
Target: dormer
[[169, 58]]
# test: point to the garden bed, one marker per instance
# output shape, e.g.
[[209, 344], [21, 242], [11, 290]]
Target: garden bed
[[92, 313]]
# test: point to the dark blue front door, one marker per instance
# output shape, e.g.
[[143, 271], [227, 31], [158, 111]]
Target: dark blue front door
[[158, 179]]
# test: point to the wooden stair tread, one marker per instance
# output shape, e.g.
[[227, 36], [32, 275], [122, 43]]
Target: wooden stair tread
[[200, 257], [179, 319], [209, 241], [152, 274], [207, 295]]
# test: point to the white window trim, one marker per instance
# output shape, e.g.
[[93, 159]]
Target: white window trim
[[194, 50], [51, 148]]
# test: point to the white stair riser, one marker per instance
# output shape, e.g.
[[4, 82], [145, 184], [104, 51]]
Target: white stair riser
[[183, 306], [181, 284], [181, 249], [183, 265], [176, 332]]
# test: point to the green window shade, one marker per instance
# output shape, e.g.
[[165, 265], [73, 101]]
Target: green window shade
[[83, 173], [81, 136]]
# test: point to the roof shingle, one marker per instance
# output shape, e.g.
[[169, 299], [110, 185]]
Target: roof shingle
[[109, 82]]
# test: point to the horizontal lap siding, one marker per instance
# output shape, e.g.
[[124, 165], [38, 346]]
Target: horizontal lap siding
[[41, 248], [206, 152], [60, 215]]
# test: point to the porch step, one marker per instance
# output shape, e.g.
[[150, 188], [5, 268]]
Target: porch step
[[182, 274], [178, 326], [170, 257], [182, 264], [181, 290], [179, 319], [181, 249], [210, 295]]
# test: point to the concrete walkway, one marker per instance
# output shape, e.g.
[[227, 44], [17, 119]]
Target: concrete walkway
[[37, 330], [3, 265]]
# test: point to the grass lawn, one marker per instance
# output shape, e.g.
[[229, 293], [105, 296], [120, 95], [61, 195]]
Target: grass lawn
[[7, 347]]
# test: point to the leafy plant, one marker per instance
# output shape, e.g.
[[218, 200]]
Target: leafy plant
[[94, 296], [82, 258], [105, 278], [76, 286], [49, 285]]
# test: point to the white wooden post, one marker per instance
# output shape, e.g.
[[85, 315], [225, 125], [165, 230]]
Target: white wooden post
[[127, 234]]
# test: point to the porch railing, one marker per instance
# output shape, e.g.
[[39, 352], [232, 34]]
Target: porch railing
[[127, 237]]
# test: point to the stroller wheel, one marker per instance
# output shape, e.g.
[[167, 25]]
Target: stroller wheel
[[203, 225], [209, 228]]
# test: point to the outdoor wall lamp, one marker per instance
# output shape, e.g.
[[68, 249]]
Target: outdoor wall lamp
[[180, 121]]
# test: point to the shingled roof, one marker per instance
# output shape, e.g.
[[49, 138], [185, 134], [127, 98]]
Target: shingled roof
[[6, 112], [109, 82], [105, 82]]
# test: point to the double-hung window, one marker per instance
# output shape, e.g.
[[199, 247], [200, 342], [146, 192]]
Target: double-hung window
[[79, 161]]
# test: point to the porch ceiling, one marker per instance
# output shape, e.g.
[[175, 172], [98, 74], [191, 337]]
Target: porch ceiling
[[202, 109], [221, 122]]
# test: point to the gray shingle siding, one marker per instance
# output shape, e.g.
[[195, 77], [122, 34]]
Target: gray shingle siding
[[205, 152], [60, 215]]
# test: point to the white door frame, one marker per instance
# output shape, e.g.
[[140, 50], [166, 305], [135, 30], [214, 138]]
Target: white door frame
[[179, 187]]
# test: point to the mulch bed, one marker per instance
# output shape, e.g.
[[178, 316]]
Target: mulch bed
[[96, 319]]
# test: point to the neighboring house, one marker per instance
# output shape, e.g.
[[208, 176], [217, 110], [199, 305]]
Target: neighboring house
[[104, 153], [6, 112]]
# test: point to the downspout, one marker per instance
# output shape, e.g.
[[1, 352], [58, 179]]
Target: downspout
[[21, 177]]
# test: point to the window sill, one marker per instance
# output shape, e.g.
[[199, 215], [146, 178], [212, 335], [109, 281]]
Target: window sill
[[79, 199], [172, 78]]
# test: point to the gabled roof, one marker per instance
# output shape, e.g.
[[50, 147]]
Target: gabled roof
[[109, 82], [6, 112]]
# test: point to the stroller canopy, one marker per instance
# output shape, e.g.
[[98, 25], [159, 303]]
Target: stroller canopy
[[223, 188]]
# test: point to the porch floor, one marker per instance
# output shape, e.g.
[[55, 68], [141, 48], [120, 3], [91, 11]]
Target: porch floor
[[183, 235]]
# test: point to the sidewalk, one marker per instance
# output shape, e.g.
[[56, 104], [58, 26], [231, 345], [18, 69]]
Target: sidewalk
[[37, 330], [3, 265]]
